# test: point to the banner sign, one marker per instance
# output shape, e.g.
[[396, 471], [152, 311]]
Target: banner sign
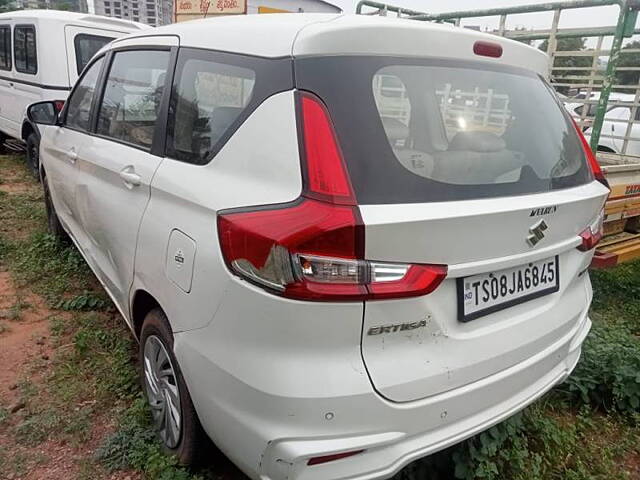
[[194, 9]]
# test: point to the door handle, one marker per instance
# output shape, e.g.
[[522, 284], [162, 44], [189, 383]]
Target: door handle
[[130, 177], [72, 155], [11, 84]]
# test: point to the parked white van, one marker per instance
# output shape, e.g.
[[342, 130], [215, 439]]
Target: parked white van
[[42, 53]]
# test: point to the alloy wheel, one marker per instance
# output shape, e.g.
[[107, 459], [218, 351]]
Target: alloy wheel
[[162, 391]]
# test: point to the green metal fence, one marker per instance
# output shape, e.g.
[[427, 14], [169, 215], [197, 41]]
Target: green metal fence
[[594, 84]]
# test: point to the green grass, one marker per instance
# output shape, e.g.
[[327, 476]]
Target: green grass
[[585, 429]]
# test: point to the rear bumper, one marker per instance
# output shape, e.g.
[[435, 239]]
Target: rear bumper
[[271, 437]]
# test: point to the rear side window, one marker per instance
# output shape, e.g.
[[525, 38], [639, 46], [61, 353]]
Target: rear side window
[[86, 46], [133, 92], [5, 47], [79, 104], [24, 49], [213, 93], [435, 130]]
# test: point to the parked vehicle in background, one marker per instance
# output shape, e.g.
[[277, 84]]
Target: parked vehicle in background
[[333, 272], [585, 113], [42, 53]]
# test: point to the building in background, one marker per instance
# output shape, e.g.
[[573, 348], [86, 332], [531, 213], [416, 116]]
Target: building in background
[[68, 5], [151, 12]]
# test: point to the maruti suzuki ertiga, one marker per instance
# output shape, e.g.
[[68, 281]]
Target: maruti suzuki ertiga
[[343, 242]]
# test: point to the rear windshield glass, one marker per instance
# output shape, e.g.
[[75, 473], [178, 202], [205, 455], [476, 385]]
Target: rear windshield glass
[[420, 131]]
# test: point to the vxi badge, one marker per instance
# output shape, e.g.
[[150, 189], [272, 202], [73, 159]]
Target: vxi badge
[[536, 212]]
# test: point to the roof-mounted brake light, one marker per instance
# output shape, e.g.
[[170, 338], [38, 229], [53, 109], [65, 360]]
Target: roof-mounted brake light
[[487, 49]]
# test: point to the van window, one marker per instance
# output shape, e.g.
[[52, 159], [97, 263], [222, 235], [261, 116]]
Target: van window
[[5, 47], [208, 98], [422, 130], [86, 46], [132, 95], [78, 114], [24, 49]]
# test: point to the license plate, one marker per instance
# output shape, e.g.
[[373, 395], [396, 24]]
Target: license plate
[[486, 293]]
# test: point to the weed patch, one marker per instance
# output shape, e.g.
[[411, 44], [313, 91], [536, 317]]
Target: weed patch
[[134, 446], [608, 374]]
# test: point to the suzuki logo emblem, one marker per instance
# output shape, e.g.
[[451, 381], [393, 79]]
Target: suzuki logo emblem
[[536, 232]]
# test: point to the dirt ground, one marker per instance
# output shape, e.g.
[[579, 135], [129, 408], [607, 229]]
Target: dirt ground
[[25, 356]]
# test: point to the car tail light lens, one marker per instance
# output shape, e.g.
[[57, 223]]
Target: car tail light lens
[[326, 173], [591, 158], [58, 105], [487, 49], [592, 235], [331, 458], [313, 249]]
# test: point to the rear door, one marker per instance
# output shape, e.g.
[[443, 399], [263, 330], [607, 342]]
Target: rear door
[[82, 44], [478, 168], [6, 75], [116, 167], [27, 76], [615, 123]]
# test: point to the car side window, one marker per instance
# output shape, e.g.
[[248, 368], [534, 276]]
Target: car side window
[[5, 47], [86, 46], [207, 98], [24, 49], [79, 104], [129, 108]]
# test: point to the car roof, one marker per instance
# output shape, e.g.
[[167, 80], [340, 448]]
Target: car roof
[[96, 21], [306, 34]]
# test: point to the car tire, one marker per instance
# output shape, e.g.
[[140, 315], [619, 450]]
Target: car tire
[[33, 154], [190, 442], [54, 226], [3, 149]]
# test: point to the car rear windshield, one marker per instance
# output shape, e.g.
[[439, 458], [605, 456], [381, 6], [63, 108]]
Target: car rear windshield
[[415, 130]]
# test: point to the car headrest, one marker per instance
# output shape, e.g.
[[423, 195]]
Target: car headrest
[[482, 142], [395, 129]]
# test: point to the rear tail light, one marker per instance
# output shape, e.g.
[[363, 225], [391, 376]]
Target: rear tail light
[[592, 235], [331, 458], [591, 158], [313, 249]]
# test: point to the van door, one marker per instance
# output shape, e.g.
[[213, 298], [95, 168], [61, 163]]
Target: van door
[[116, 167], [25, 84], [82, 44], [6, 76]]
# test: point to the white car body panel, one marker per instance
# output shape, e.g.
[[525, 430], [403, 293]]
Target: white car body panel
[[270, 174], [352, 35]]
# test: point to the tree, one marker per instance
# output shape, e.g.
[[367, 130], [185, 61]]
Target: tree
[[7, 5], [626, 77], [569, 44]]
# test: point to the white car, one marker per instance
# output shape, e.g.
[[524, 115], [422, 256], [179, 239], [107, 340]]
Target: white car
[[616, 121], [614, 130], [42, 53], [340, 251]]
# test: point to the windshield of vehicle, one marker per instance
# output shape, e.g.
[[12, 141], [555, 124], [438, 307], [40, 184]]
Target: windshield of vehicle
[[434, 130]]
